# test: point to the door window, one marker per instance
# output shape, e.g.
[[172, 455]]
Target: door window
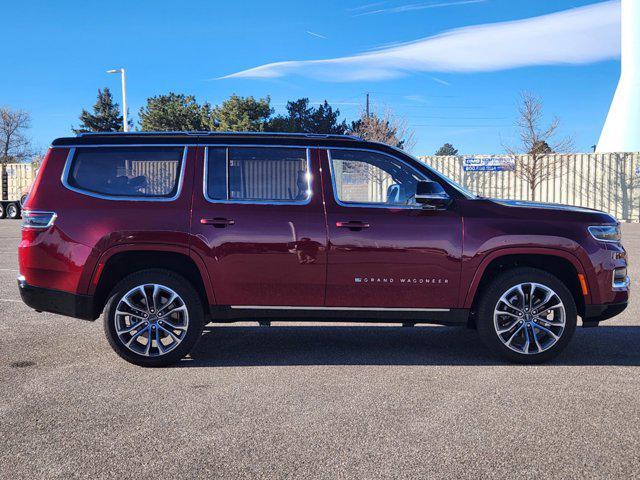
[[366, 177], [258, 175]]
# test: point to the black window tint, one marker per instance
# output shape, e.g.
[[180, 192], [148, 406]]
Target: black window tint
[[261, 174], [127, 171], [217, 173]]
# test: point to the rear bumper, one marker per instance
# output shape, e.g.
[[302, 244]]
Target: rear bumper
[[55, 301], [596, 313]]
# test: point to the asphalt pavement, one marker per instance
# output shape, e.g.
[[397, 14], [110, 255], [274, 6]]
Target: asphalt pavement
[[313, 401]]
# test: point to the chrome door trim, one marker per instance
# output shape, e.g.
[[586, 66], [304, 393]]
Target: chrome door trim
[[367, 309]]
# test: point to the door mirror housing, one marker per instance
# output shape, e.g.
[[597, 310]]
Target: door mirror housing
[[431, 194]]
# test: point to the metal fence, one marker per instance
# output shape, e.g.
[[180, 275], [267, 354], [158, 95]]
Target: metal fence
[[608, 182]]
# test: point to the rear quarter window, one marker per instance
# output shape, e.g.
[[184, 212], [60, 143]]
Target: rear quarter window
[[144, 172]]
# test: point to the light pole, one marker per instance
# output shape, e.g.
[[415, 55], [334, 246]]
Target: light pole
[[125, 123]]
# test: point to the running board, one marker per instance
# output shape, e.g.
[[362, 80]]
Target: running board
[[407, 316]]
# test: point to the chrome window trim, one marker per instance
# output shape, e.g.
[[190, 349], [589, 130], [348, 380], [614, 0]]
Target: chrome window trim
[[205, 175], [67, 170], [367, 309], [363, 204]]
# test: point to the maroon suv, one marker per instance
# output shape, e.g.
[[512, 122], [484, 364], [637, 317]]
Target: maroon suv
[[165, 232]]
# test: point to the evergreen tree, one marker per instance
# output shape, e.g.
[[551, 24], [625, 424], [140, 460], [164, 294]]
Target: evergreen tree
[[106, 115], [446, 150], [242, 114], [302, 118], [325, 120], [175, 113]]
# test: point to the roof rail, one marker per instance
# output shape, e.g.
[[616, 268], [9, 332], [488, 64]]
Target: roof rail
[[222, 134]]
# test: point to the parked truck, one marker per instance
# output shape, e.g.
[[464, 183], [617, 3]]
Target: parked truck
[[14, 187]]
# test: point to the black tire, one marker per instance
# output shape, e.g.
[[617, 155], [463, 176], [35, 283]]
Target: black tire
[[489, 301], [2, 210], [13, 210], [187, 294]]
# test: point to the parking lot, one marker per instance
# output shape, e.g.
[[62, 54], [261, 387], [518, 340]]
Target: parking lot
[[313, 401]]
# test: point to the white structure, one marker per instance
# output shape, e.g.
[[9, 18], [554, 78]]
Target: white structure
[[621, 132]]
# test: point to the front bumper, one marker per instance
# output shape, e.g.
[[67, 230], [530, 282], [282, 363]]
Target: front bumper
[[593, 314], [56, 301]]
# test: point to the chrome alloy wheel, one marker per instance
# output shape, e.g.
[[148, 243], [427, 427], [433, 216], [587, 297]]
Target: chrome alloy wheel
[[529, 318], [151, 320]]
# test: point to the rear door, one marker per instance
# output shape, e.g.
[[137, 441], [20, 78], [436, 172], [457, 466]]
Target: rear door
[[258, 223], [387, 251]]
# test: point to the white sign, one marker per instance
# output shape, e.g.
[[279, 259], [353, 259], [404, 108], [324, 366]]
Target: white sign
[[488, 164]]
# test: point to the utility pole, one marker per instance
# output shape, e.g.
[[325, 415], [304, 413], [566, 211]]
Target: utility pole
[[125, 123], [367, 103]]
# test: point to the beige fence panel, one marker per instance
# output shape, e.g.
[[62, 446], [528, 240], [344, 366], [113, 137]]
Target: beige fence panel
[[160, 176], [608, 182], [16, 177]]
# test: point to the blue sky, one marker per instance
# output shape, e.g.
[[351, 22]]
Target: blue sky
[[62, 50]]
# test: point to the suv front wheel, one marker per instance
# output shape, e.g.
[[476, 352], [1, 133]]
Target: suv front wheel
[[153, 318], [526, 315]]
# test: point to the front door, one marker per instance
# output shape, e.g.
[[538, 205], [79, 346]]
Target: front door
[[258, 223], [386, 251]]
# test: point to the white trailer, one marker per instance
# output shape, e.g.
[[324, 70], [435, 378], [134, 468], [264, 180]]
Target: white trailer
[[16, 180]]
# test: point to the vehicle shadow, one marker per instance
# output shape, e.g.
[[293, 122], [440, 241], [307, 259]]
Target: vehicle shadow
[[230, 346]]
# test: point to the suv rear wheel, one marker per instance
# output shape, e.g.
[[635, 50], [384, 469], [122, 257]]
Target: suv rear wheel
[[526, 315], [13, 211], [153, 318]]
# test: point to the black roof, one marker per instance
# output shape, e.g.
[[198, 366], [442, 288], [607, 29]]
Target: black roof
[[121, 138]]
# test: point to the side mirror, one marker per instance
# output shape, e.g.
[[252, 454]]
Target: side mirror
[[431, 194]]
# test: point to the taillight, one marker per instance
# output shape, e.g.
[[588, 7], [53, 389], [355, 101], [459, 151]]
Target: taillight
[[31, 219]]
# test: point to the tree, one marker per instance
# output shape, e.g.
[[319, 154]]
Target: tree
[[14, 145], [175, 113], [106, 115], [242, 114], [296, 120], [446, 150], [385, 129], [538, 143], [324, 120], [302, 118]]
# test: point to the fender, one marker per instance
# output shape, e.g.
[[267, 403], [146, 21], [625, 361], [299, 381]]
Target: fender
[[94, 278], [475, 282]]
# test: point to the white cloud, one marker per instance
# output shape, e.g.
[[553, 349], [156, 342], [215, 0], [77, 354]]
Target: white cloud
[[417, 6], [314, 34], [571, 37], [440, 81]]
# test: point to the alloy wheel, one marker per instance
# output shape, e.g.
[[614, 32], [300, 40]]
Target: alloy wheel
[[529, 318], [151, 320]]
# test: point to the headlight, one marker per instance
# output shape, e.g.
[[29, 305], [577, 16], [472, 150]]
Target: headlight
[[606, 233]]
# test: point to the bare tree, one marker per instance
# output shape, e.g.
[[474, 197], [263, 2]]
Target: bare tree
[[14, 145], [534, 157], [385, 128]]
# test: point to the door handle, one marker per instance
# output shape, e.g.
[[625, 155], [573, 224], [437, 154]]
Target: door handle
[[217, 222], [353, 226]]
